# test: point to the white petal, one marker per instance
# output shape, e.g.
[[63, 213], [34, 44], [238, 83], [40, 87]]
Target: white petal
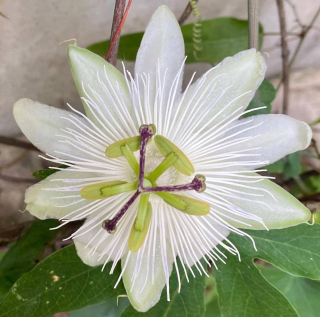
[[90, 250], [270, 137], [104, 88], [95, 246], [224, 90], [43, 126], [144, 286], [162, 43], [265, 199], [47, 199]]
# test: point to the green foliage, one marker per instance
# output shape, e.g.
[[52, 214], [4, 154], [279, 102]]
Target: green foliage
[[295, 250], [211, 298], [290, 166], [266, 94], [107, 308], [61, 282], [244, 292], [43, 174], [302, 293], [25, 254], [188, 303], [220, 38]]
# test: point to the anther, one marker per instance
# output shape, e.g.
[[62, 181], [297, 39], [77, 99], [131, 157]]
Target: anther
[[114, 149], [106, 189], [182, 164]]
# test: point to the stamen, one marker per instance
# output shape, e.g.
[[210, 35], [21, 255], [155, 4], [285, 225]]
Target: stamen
[[128, 153], [141, 226], [110, 225], [168, 161], [142, 212], [114, 150], [106, 189], [185, 204], [182, 164]]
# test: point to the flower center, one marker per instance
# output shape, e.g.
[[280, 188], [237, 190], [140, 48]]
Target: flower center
[[148, 182]]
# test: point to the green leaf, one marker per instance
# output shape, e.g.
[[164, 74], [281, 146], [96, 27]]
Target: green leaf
[[61, 282], [244, 292], [302, 293], [276, 167], [295, 250], [108, 308], [292, 167], [43, 174], [220, 38], [188, 303], [266, 94], [25, 254], [211, 298]]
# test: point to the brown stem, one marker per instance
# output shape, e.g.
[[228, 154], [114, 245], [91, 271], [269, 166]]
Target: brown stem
[[186, 13], [112, 54], [17, 143], [284, 55], [302, 35], [17, 179]]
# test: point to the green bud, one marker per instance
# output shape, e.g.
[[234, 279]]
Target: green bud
[[137, 237], [182, 164], [107, 189]]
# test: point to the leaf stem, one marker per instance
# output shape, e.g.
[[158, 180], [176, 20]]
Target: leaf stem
[[17, 143], [253, 17], [284, 55], [187, 11], [118, 21]]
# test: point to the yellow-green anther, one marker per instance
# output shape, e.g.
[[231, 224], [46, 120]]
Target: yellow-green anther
[[182, 164], [127, 152], [172, 200], [162, 167], [114, 150], [185, 204], [137, 237], [106, 189], [112, 190], [142, 212]]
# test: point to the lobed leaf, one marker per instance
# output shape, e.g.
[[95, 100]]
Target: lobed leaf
[[302, 293], [61, 282], [25, 254], [243, 292]]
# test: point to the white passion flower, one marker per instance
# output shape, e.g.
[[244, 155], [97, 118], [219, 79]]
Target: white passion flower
[[156, 172]]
